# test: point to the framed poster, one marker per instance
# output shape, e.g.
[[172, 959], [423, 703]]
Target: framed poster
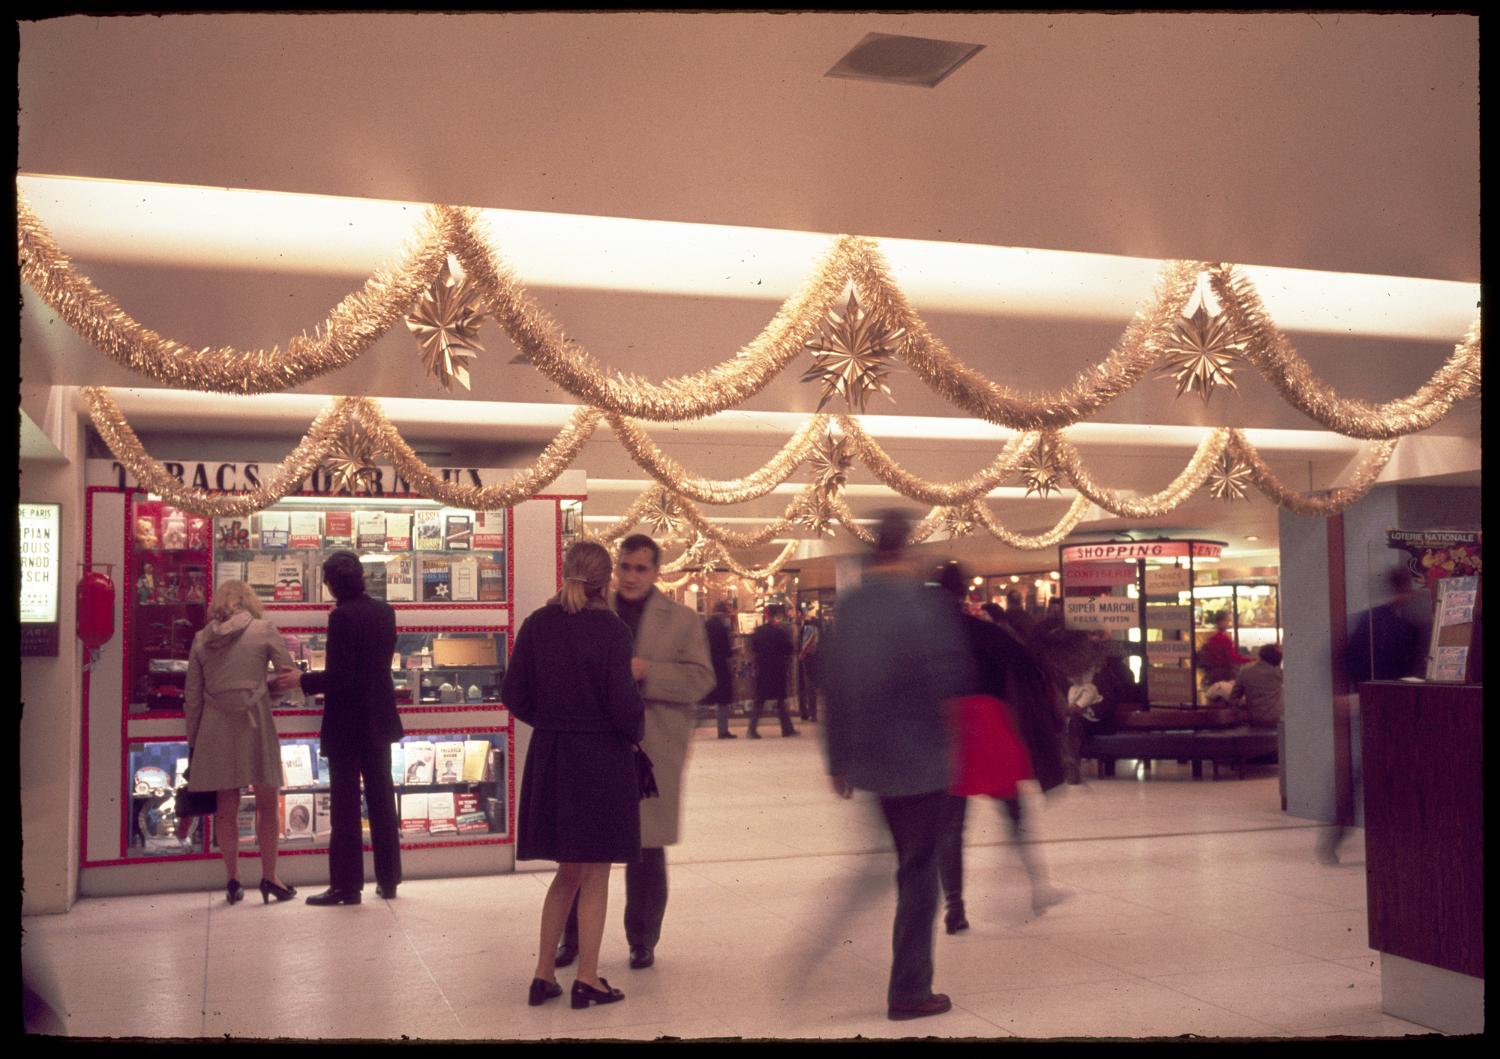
[[40, 540]]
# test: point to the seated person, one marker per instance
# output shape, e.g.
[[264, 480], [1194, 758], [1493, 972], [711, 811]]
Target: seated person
[[1257, 689]]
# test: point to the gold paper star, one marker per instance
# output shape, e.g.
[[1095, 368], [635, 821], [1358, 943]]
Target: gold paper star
[[851, 355], [1229, 480], [817, 514], [351, 462], [1040, 473], [958, 521], [663, 514], [1200, 352], [446, 322], [831, 459]]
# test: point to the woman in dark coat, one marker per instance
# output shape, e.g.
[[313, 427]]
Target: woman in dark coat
[[569, 678], [996, 749]]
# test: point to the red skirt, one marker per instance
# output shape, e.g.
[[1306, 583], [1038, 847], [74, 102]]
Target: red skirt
[[989, 758]]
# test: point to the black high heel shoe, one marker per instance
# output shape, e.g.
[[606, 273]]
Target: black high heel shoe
[[268, 890], [584, 994], [542, 991], [234, 891]]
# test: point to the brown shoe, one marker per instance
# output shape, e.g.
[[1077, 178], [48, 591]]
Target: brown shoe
[[936, 1004]]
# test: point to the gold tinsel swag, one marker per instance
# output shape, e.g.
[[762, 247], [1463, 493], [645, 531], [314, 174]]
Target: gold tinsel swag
[[385, 299]]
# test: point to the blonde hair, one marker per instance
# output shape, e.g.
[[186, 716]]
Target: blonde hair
[[586, 570], [230, 596]]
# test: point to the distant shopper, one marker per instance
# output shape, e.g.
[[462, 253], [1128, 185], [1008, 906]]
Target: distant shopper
[[720, 649], [569, 678], [1390, 641], [1218, 658], [772, 646], [892, 661], [1006, 730], [231, 733], [1258, 689], [671, 665], [807, 662], [360, 723]]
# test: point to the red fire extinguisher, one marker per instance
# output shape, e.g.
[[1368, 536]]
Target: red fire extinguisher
[[96, 610]]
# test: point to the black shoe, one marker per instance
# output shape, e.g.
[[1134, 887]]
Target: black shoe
[[752, 735], [331, 896], [791, 731], [727, 735], [234, 891], [955, 920], [584, 995], [566, 954], [936, 1004], [268, 890], [640, 958], [388, 893], [542, 991]]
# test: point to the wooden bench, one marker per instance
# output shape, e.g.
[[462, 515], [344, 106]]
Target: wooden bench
[[1195, 736]]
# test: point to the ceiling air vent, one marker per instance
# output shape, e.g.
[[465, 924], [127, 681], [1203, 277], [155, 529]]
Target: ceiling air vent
[[898, 60]]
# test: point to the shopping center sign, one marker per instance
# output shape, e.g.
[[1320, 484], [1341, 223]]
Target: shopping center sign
[[1126, 550]]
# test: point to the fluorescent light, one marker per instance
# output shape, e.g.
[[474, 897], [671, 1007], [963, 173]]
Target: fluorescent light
[[183, 225]]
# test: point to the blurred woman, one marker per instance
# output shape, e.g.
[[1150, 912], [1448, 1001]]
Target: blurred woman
[[570, 679], [1218, 658], [231, 734]]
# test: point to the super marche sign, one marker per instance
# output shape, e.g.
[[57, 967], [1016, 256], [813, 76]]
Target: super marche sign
[[1103, 612]]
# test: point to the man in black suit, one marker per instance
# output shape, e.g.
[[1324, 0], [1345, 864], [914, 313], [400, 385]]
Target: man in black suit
[[719, 651], [359, 725]]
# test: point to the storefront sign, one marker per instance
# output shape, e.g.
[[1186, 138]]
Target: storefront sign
[[40, 540], [242, 477], [1436, 554], [1169, 686], [1103, 612], [1172, 616], [1117, 550], [1164, 651], [1084, 575], [1167, 581]]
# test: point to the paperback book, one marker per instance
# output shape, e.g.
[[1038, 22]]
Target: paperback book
[[441, 817], [245, 819], [429, 530], [458, 532], [306, 531], [296, 764], [468, 816], [398, 532], [289, 581], [466, 580], [450, 762], [489, 530], [419, 763], [338, 529], [437, 581], [275, 529], [491, 580], [413, 814], [299, 817], [474, 755], [260, 574], [399, 579], [398, 764], [322, 814], [370, 527]]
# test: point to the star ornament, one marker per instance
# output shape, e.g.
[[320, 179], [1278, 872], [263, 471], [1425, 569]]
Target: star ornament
[[445, 321], [1040, 474], [851, 355], [1230, 479], [1200, 352], [831, 459], [817, 515], [663, 514], [350, 463], [958, 521]]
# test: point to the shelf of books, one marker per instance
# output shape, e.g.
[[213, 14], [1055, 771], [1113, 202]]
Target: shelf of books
[[459, 581]]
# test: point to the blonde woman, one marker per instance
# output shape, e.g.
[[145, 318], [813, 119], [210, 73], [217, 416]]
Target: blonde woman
[[570, 679], [231, 733]]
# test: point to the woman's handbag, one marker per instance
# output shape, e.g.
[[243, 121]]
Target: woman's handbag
[[644, 776], [195, 803]]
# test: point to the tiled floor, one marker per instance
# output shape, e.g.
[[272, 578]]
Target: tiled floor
[[1196, 908]]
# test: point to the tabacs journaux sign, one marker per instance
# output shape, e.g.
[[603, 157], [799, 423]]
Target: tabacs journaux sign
[[40, 539]]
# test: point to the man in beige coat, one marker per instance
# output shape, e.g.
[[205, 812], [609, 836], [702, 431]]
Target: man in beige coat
[[671, 665]]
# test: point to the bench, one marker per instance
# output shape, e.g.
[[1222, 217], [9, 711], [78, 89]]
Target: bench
[[1230, 746]]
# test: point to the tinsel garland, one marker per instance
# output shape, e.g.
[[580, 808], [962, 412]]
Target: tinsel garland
[[351, 328], [1268, 349], [551, 462], [901, 481], [1188, 482], [1065, 525], [723, 558], [283, 481], [1332, 502], [365, 315], [669, 472]]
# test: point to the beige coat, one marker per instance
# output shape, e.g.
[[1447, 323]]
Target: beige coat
[[229, 725], [674, 646]]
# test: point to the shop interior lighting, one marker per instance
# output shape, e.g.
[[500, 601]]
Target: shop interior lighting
[[178, 225]]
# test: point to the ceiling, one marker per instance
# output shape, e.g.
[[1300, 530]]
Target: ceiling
[[1338, 141]]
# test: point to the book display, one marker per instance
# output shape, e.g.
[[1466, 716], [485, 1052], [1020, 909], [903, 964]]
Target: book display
[[451, 576]]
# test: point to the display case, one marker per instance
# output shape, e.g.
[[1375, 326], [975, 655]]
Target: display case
[[1254, 606], [1140, 593], [451, 578]]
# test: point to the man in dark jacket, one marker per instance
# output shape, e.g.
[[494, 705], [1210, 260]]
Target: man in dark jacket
[[773, 649], [719, 649], [359, 725]]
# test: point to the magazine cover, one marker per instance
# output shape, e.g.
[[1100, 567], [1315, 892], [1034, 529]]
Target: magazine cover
[[450, 762], [458, 532], [338, 529], [429, 530], [489, 530], [419, 763], [306, 531]]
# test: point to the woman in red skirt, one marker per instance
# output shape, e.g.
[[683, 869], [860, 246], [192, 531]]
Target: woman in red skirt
[[1004, 731]]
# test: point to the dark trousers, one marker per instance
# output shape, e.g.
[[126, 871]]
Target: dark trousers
[[781, 712], [951, 849], [645, 902], [346, 860], [917, 825], [722, 709], [807, 692]]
